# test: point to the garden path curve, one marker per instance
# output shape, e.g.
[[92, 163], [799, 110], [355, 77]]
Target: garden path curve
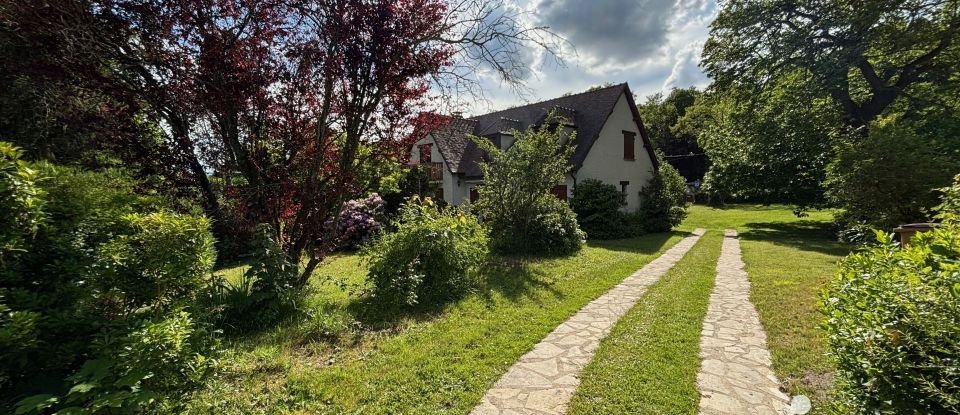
[[735, 375], [543, 380]]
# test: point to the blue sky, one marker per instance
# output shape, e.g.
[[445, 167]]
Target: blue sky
[[652, 44]]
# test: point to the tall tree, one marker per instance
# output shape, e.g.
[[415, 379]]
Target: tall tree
[[864, 54], [660, 116], [768, 147], [278, 97]]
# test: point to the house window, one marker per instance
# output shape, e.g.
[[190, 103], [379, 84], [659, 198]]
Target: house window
[[436, 171], [623, 186], [426, 153], [628, 140], [474, 195], [560, 191]]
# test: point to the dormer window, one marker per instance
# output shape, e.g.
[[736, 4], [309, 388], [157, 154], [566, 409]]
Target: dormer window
[[506, 140], [628, 148]]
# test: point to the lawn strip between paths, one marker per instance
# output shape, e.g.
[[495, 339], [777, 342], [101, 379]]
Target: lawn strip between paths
[[544, 379], [648, 364]]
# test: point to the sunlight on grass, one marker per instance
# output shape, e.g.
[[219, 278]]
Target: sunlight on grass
[[342, 357], [648, 364], [439, 362], [790, 261]]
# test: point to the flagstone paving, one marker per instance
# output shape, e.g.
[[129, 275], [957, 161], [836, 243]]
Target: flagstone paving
[[735, 375], [544, 379]]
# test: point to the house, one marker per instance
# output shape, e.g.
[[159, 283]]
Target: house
[[611, 144]]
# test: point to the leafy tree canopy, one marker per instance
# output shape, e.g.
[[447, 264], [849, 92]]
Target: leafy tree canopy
[[865, 55]]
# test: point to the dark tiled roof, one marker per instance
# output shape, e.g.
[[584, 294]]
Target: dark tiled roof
[[589, 112], [452, 140]]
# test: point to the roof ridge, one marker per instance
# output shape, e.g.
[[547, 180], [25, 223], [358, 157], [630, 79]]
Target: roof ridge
[[591, 91]]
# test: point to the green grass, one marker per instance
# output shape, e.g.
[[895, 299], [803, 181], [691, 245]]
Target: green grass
[[343, 360], [648, 364], [790, 261]]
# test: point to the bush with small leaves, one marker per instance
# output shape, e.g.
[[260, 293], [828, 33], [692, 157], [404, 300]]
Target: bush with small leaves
[[516, 201], [99, 273], [893, 321], [597, 206], [663, 201], [432, 256], [155, 260], [145, 371]]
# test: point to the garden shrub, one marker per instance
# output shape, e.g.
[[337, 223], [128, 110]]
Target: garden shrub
[[266, 292], [553, 231], [432, 256], [149, 370], [515, 201], [893, 321], [663, 201], [156, 260], [99, 263], [360, 221], [21, 200], [889, 177], [597, 206]]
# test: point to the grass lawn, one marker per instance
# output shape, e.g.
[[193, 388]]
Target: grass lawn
[[648, 364], [344, 360], [790, 261]]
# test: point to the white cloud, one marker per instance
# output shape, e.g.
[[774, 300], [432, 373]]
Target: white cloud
[[653, 45]]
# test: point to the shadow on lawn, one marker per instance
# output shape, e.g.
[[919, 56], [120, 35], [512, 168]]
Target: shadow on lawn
[[805, 235], [646, 244], [513, 278], [510, 277]]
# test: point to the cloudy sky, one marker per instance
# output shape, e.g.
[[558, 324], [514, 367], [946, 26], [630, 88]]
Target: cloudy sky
[[652, 44]]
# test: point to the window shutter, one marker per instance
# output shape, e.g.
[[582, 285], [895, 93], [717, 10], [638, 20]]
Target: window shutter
[[628, 140]]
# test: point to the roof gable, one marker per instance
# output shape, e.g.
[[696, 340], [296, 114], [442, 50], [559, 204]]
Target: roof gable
[[587, 111]]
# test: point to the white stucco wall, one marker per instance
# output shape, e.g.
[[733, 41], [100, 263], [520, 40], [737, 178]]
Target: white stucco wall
[[605, 160]]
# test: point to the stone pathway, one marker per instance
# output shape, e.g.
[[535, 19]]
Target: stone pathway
[[544, 379], [735, 375]]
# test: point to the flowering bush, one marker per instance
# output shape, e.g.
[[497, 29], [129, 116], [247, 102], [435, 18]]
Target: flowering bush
[[360, 221]]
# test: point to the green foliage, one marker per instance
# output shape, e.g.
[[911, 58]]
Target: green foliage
[[21, 198], [515, 199], [769, 147], [145, 371], [101, 263], [889, 177], [155, 260], [865, 56], [893, 319], [663, 201], [432, 256], [597, 206], [266, 292], [661, 115]]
